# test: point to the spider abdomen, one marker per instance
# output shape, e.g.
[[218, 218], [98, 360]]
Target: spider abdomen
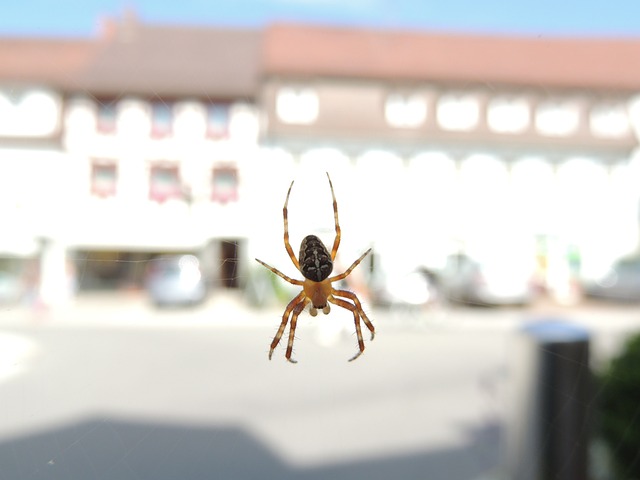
[[315, 260]]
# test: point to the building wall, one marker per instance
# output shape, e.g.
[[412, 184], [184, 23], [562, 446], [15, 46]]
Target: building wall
[[488, 171], [418, 115], [416, 210], [420, 170], [122, 180], [186, 215]]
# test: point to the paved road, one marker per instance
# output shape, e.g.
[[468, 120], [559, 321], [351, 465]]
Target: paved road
[[120, 391]]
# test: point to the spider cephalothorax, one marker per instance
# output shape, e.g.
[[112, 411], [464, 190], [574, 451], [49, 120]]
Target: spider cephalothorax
[[316, 264]]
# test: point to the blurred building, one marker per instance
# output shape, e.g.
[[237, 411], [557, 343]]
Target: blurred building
[[130, 145], [491, 145], [155, 139]]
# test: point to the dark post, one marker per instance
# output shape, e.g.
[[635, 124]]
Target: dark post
[[549, 429]]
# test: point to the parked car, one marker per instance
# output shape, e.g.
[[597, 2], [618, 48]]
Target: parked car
[[494, 280], [621, 282], [176, 280], [412, 289], [11, 289]]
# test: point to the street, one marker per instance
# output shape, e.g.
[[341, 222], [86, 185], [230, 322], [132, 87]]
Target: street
[[123, 391]]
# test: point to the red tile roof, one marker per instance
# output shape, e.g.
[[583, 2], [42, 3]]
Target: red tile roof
[[140, 59], [151, 59], [554, 62], [49, 61], [171, 60]]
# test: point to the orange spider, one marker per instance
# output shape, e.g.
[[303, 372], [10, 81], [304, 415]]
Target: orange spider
[[316, 264]]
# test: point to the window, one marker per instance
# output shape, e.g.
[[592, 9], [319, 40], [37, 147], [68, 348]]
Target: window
[[218, 120], [297, 105], [557, 118], [609, 120], [104, 178], [164, 183], [189, 120], [29, 113], [224, 184], [458, 112], [161, 119], [107, 117], [407, 111], [508, 114]]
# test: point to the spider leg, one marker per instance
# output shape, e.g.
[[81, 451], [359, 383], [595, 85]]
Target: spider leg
[[356, 319], [287, 245], [292, 328], [336, 241], [280, 274], [350, 269], [298, 299], [354, 298]]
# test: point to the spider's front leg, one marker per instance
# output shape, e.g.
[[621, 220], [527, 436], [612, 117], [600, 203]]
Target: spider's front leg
[[292, 281], [285, 216], [336, 241]]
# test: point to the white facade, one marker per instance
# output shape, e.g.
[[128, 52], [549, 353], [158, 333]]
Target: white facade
[[527, 174], [30, 162], [135, 176], [80, 186], [182, 221], [417, 210]]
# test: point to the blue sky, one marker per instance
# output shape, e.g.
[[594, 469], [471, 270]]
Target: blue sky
[[531, 17]]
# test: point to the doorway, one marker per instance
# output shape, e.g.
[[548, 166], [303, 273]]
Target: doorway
[[229, 255]]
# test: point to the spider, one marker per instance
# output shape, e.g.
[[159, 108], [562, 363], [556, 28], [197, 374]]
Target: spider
[[316, 264]]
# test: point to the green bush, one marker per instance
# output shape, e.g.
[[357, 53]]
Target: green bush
[[620, 410]]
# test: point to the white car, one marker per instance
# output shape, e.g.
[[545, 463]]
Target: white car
[[495, 280], [412, 289], [176, 280], [620, 283]]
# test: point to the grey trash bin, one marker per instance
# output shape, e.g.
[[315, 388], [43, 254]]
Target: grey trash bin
[[548, 430]]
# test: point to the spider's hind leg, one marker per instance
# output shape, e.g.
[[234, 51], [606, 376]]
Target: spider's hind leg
[[356, 319], [354, 298], [292, 328], [292, 306]]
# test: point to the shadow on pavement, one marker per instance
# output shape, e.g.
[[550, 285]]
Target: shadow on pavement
[[117, 449]]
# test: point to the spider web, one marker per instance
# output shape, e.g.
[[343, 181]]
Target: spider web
[[413, 325], [254, 401]]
